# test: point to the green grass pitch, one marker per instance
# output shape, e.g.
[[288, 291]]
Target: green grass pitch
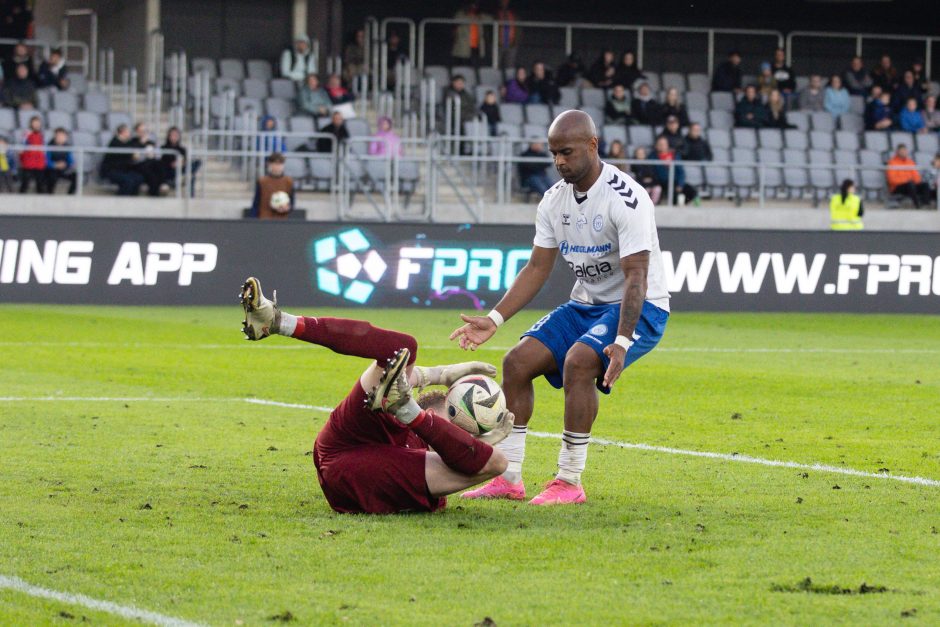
[[206, 508]]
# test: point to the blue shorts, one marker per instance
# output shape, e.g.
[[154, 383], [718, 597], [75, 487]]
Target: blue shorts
[[595, 326]]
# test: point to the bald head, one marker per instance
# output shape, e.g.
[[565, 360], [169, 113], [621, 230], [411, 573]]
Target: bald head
[[573, 125]]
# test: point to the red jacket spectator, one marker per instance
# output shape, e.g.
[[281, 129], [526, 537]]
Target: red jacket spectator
[[34, 159]]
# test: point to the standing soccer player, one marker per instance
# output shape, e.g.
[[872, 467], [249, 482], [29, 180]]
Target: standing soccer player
[[372, 455], [602, 222]]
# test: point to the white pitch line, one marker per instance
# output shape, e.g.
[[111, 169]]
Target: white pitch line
[[128, 612], [729, 457]]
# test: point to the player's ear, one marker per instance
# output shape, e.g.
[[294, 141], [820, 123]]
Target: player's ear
[[593, 144]]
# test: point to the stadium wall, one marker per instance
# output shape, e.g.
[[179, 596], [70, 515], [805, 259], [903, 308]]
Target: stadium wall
[[201, 262]]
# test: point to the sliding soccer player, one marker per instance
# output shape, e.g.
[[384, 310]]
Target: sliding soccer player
[[372, 455]]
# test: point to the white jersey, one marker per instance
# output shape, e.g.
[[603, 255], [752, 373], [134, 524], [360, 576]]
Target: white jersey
[[593, 233]]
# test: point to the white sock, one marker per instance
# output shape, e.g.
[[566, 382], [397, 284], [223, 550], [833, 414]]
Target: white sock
[[573, 456], [288, 324], [513, 447]]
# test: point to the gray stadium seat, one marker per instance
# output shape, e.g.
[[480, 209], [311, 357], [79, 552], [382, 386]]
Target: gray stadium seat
[[719, 137], [96, 102], [924, 160], [65, 101], [845, 157], [301, 124], [104, 137], [84, 138], [282, 88], [720, 119], [277, 107], [223, 85], [847, 140], [821, 140], [744, 137], [744, 155], [509, 129], [231, 68], [794, 156], [204, 65], [770, 155], [770, 138], [796, 180], [870, 157], [744, 179], [822, 121], [78, 84], [873, 183], [857, 105], [56, 119], [901, 137], [490, 76], [615, 132], [534, 131], [88, 121], [640, 135], [259, 69], [928, 142], [651, 78], [23, 116], [44, 99], [696, 100], [819, 157], [358, 127], [7, 119], [593, 97], [698, 116], [699, 83], [294, 142], [674, 79], [718, 179], [823, 181], [255, 88], [721, 154], [721, 100], [795, 138], [296, 168], [799, 119], [511, 113], [569, 98], [244, 103], [321, 172], [694, 174], [479, 92], [538, 114], [876, 140], [439, 73]]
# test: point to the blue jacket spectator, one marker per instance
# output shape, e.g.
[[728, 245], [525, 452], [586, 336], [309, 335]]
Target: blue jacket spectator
[[837, 100], [59, 162], [270, 140], [878, 115], [910, 119]]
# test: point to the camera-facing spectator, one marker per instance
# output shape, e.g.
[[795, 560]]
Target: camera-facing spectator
[[904, 179], [813, 98], [777, 111], [60, 164], [645, 175], [274, 192], [313, 99], [683, 191], [617, 152], [388, 142], [878, 114], [298, 61], [644, 108], [750, 112], [490, 109], [542, 87], [145, 160], [931, 114], [7, 166], [354, 56], [728, 74], [52, 71], [910, 118], [516, 89], [857, 79], [617, 107], [604, 70], [885, 75], [783, 74], [336, 128], [120, 168], [837, 100], [19, 91], [571, 71], [673, 134], [466, 102], [628, 72], [20, 56], [533, 175], [174, 142], [696, 147], [33, 162], [905, 90], [337, 93], [673, 105]]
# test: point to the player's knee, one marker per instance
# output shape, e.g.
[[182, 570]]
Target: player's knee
[[515, 368], [496, 464], [581, 365]]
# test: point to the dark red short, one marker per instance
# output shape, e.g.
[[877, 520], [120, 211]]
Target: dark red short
[[367, 464]]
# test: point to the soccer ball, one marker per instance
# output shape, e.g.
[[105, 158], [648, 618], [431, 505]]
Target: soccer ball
[[280, 200], [476, 404]]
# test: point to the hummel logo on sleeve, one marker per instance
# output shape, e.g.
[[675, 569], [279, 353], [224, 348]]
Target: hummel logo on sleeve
[[620, 186]]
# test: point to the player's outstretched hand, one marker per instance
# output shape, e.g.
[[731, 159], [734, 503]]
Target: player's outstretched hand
[[501, 432], [617, 354], [475, 331]]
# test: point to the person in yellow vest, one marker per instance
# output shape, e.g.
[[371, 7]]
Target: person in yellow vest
[[271, 190], [845, 208]]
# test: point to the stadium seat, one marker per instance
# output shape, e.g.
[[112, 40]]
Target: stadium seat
[[770, 138], [845, 157], [870, 157], [651, 79], [640, 135], [718, 179], [821, 140], [358, 127], [799, 119], [794, 156], [795, 138], [720, 119], [294, 142], [698, 116], [901, 137], [819, 157], [744, 180], [770, 155], [535, 131], [796, 180], [301, 124], [282, 88], [321, 172], [876, 140], [823, 181], [204, 65], [23, 116], [927, 142], [873, 183], [694, 175], [772, 178], [721, 154], [847, 140], [538, 114], [87, 121], [233, 85], [719, 137], [232, 68], [857, 105], [924, 159], [696, 100], [254, 88], [259, 69], [721, 100], [479, 92], [593, 97], [44, 99], [699, 83], [674, 79], [56, 119], [7, 119], [296, 168], [245, 103], [802, 82], [78, 83], [65, 101], [104, 137], [822, 121], [744, 137], [439, 73], [96, 102], [509, 129], [511, 113], [490, 76], [569, 98], [744, 155], [280, 109], [84, 138]]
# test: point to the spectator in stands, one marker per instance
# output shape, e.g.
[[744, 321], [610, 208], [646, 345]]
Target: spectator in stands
[[885, 75], [683, 191], [617, 107], [673, 134], [354, 56], [931, 114], [910, 119], [388, 142], [336, 128], [645, 175], [766, 82], [917, 69], [59, 162], [298, 61], [337, 93], [507, 35], [490, 109], [673, 105], [813, 98], [269, 139], [7, 166], [777, 111], [905, 90], [750, 112], [533, 174], [469, 39], [604, 70], [458, 89], [542, 87], [644, 108], [20, 56], [174, 141], [146, 161], [857, 79], [728, 74], [836, 99], [878, 115], [571, 71], [313, 99], [19, 91], [395, 54], [628, 72], [119, 168], [783, 74], [33, 162], [616, 152], [695, 147], [845, 208], [904, 179], [516, 89], [52, 71], [933, 176], [268, 185]]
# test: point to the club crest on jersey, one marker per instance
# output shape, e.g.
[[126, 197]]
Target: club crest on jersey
[[566, 219], [598, 223], [600, 329], [582, 221]]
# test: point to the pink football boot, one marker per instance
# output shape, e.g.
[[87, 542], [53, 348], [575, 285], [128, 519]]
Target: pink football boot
[[497, 488], [559, 492]]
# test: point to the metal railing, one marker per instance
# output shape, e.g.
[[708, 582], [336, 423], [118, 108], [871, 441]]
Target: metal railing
[[89, 52]]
